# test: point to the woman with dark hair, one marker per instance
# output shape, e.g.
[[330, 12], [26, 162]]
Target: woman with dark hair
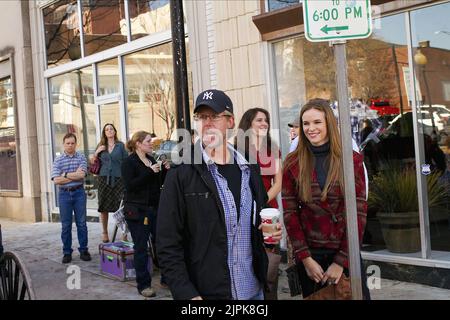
[[111, 152], [143, 178], [253, 140], [313, 200]]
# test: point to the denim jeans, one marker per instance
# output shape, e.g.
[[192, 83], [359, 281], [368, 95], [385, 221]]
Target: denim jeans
[[73, 202], [140, 233]]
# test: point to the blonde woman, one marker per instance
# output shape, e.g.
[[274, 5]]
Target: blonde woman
[[143, 178]]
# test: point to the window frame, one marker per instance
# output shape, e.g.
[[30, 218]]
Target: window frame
[[9, 58]]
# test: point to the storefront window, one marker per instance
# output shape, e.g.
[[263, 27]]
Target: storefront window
[[108, 77], [431, 45], [104, 25], [110, 113], [8, 154], [278, 4], [62, 32], [304, 70], [75, 115], [378, 75], [149, 84], [148, 17]]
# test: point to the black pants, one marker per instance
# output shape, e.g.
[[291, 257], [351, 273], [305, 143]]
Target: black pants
[[140, 232], [325, 257]]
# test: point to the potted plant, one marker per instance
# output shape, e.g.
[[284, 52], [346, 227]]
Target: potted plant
[[394, 193]]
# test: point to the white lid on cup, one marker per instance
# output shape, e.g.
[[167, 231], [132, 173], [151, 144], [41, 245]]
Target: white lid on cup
[[269, 213]]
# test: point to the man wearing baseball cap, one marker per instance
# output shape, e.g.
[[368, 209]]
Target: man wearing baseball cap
[[295, 127], [209, 243]]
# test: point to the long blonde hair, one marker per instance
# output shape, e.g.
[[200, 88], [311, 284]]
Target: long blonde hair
[[305, 158]]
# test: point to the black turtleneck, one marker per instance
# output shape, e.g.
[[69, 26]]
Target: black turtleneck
[[322, 163]]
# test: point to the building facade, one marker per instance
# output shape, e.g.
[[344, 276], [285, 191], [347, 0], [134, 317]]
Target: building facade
[[74, 65]]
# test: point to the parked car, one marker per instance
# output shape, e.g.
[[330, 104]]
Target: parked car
[[425, 120], [441, 110], [383, 107], [165, 150]]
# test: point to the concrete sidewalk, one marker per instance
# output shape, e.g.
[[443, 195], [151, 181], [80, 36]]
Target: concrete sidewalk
[[39, 246]]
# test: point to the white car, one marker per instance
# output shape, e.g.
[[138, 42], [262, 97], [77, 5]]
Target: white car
[[442, 110], [425, 119]]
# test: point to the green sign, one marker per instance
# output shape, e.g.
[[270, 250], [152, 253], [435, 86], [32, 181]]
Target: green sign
[[328, 20]]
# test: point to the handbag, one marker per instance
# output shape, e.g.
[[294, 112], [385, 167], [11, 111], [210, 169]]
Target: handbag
[[340, 291], [294, 280], [94, 168]]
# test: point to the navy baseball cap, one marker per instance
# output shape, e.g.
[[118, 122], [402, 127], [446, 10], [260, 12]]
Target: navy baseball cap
[[215, 99]]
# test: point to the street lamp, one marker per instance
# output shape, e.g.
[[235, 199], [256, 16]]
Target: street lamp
[[421, 60]]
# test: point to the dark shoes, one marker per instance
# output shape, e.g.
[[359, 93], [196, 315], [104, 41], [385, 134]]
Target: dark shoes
[[85, 256], [67, 258]]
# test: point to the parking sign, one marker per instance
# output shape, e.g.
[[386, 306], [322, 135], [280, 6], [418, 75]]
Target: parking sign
[[327, 20]]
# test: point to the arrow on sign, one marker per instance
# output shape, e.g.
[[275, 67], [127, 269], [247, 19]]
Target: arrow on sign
[[326, 28]]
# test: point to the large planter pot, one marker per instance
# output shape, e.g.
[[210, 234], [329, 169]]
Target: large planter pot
[[401, 231]]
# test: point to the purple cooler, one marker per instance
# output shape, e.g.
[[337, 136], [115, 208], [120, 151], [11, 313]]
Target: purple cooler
[[116, 260]]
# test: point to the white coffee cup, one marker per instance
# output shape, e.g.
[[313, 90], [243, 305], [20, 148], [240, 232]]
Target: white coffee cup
[[159, 162], [269, 219]]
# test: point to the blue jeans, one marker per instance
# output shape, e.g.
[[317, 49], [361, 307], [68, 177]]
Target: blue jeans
[[73, 201]]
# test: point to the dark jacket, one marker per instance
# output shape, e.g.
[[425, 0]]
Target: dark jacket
[[191, 233], [142, 184]]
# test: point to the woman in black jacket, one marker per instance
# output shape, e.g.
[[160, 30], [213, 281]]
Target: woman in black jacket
[[143, 178]]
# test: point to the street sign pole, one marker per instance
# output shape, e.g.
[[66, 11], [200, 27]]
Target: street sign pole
[[349, 174]]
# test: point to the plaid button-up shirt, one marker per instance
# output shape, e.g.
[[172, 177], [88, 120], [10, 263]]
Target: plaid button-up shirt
[[66, 163], [244, 284]]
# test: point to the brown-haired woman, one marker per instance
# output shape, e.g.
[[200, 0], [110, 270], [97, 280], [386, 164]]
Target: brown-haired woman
[[313, 200], [111, 152], [143, 178], [254, 137]]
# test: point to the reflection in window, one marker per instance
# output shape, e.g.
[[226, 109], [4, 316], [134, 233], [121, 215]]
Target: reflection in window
[[70, 114], [108, 77], [149, 85], [75, 115], [431, 42], [279, 4], [378, 75], [110, 113], [62, 32], [8, 160], [304, 70], [104, 25], [148, 17]]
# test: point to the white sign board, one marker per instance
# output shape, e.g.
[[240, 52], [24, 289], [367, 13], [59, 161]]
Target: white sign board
[[327, 20]]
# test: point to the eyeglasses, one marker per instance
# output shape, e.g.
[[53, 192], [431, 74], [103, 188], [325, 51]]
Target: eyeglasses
[[205, 117]]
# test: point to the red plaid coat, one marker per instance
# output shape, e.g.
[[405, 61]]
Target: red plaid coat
[[321, 224]]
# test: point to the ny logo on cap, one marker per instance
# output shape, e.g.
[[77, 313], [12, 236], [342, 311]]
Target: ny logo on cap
[[207, 95]]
